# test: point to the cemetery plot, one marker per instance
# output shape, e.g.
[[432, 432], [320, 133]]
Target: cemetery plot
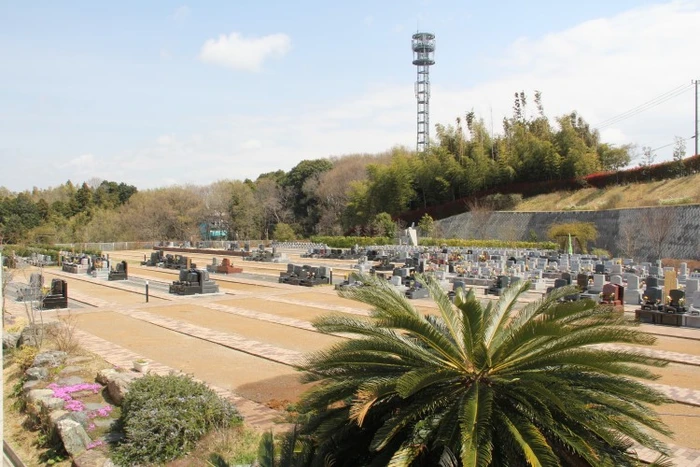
[[675, 344], [679, 375], [101, 291], [331, 298], [684, 421], [242, 373], [272, 307], [224, 284], [269, 333]]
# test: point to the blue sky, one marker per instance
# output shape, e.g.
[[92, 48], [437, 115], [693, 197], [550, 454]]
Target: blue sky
[[158, 93]]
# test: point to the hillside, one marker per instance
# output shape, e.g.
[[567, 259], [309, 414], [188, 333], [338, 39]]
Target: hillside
[[685, 190]]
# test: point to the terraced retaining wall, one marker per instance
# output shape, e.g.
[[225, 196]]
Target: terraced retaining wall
[[644, 233]]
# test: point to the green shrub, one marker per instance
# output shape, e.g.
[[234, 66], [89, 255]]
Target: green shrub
[[47, 250], [349, 242], [601, 252], [284, 233], [675, 201], [164, 416]]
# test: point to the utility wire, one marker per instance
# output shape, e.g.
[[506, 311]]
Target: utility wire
[[660, 99], [671, 144]]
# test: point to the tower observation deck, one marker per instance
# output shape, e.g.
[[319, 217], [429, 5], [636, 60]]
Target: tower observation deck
[[423, 45]]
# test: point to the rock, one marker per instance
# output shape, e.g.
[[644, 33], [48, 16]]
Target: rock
[[70, 381], [117, 383], [34, 334], [29, 385], [70, 369], [55, 416], [78, 360], [53, 403], [52, 358], [36, 395], [37, 373], [92, 458], [10, 340], [75, 439], [80, 417]]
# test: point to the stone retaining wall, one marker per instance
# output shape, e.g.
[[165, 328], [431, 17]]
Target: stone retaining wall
[[644, 233]]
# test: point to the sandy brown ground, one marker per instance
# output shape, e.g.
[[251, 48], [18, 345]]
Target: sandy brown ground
[[100, 291], [270, 333], [276, 308], [264, 381], [684, 421], [252, 377], [675, 344]]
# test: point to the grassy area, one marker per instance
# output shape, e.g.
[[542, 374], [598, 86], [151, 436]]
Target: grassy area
[[677, 191]]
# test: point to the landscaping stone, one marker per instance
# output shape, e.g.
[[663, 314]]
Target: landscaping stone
[[36, 395], [33, 334], [29, 385], [56, 416], [117, 383], [70, 369], [92, 458], [80, 417], [52, 359], [70, 381], [75, 439], [36, 373], [53, 403], [10, 339]]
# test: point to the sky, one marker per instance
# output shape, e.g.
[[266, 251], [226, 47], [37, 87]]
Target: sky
[[160, 93]]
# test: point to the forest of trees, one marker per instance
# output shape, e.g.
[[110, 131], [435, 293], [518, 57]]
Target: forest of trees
[[352, 194]]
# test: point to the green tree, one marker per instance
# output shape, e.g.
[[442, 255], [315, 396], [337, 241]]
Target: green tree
[[426, 225], [284, 233], [384, 225], [477, 385], [612, 158], [581, 233]]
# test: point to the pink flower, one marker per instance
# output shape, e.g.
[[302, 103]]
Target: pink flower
[[94, 444]]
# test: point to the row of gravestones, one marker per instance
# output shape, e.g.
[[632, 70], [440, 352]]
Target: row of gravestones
[[56, 297]]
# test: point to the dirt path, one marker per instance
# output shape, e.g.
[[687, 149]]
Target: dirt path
[[247, 375], [275, 334]]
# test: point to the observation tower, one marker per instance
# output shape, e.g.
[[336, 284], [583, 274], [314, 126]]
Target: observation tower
[[423, 45]]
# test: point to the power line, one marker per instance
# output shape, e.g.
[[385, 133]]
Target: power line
[[660, 99], [671, 144]]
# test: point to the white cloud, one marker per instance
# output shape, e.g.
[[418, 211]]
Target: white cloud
[[248, 54], [251, 144], [181, 14], [165, 140], [84, 161], [600, 68]]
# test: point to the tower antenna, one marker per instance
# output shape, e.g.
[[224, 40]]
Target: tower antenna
[[423, 45]]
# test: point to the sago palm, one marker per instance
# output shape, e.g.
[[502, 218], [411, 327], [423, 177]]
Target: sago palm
[[477, 385]]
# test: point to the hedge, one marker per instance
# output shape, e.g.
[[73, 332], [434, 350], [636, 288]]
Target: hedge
[[47, 250], [349, 242]]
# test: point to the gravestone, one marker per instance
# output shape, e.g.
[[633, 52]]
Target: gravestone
[[633, 293], [670, 283]]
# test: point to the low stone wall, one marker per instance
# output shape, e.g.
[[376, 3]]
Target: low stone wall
[[644, 233]]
